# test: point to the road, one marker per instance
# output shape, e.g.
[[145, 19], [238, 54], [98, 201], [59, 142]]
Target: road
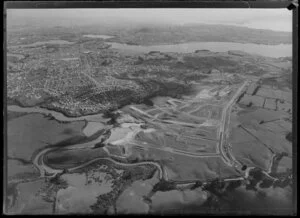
[[222, 132], [171, 121], [177, 151], [201, 119], [225, 122]]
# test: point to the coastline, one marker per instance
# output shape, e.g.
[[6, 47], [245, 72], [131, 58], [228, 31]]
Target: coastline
[[199, 41], [52, 110]]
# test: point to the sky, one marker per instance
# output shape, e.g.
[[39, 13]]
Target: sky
[[273, 19]]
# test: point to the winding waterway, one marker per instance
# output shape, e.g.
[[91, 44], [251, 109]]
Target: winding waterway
[[47, 171], [57, 115], [39, 160], [49, 42]]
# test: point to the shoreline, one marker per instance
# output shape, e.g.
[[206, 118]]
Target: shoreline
[[241, 46], [46, 111], [184, 42]]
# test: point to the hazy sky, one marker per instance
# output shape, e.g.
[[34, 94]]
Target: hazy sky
[[274, 19]]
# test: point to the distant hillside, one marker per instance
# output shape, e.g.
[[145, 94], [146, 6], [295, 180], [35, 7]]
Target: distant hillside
[[202, 33], [150, 33]]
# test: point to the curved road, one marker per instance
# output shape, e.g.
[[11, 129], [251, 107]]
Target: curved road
[[224, 125]]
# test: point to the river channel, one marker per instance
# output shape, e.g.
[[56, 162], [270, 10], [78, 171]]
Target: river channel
[[57, 115], [46, 171]]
